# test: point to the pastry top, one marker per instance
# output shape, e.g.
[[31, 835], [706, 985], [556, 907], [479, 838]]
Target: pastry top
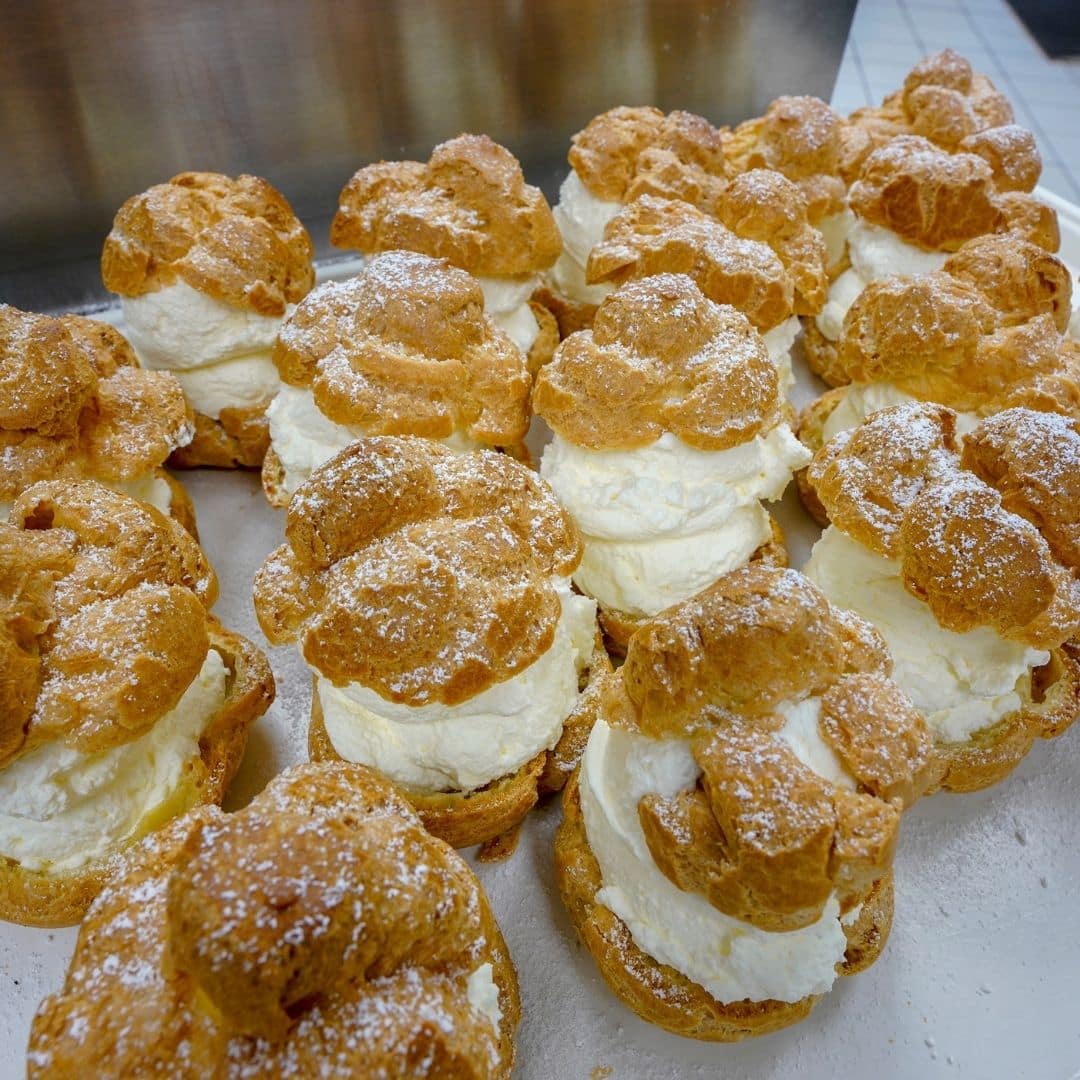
[[945, 101], [405, 348], [74, 402], [660, 357], [319, 926], [236, 240], [1031, 459], [469, 204], [809, 143], [422, 574], [938, 200], [1011, 153], [961, 112], [1026, 217], [104, 617], [878, 124], [627, 152], [764, 837], [926, 195], [984, 533], [982, 335], [760, 254], [1018, 278]]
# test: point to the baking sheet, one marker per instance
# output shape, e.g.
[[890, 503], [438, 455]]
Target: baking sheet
[[980, 978]]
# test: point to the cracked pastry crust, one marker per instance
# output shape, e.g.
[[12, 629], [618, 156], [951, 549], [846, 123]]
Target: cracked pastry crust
[[234, 989], [660, 356], [945, 101], [713, 670], [238, 439], [809, 143], [425, 575], [759, 253], [468, 204], [937, 200], [105, 625], [405, 348], [985, 532], [74, 403], [236, 240], [645, 159], [628, 152]]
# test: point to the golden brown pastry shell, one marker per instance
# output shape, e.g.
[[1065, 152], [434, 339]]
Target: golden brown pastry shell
[[822, 355], [238, 439], [36, 898], [660, 994]]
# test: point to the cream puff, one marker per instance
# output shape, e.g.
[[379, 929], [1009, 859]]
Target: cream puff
[[942, 100], [320, 931], [756, 251], [207, 267], [123, 701], [964, 555], [650, 194], [403, 348], [728, 838], [429, 592], [618, 156], [815, 148], [916, 203], [75, 403], [468, 204], [980, 335], [670, 430]]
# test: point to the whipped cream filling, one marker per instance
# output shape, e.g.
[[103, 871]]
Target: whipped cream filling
[[506, 300], [960, 682], [303, 437], [61, 809], [778, 343], [178, 327], [151, 489], [483, 994], [802, 736], [642, 577], [835, 230], [860, 400], [220, 353], [663, 521], [1073, 329], [462, 747], [875, 253], [581, 218], [732, 960], [242, 382]]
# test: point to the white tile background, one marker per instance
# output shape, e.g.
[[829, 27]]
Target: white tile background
[[889, 36]]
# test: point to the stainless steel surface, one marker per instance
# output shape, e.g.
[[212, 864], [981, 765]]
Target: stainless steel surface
[[100, 100]]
